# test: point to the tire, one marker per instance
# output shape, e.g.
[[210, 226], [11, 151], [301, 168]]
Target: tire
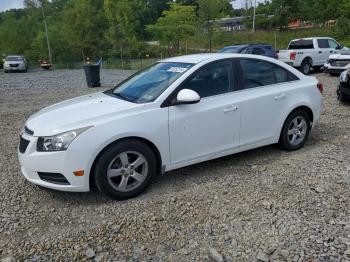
[[334, 74], [342, 97], [306, 66], [117, 160], [300, 134]]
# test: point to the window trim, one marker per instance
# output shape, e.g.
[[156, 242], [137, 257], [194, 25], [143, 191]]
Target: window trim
[[239, 76], [168, 101]]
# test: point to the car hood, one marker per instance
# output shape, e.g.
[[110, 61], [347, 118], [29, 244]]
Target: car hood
[[83, 111], [340, 57]]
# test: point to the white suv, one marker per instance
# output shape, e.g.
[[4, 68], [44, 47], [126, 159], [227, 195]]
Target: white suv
[[177, 112]]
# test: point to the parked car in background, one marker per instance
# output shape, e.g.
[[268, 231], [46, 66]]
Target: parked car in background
[[200, 109], [343, 90], [338, 63], [308, 53], [254, 49], [15, 63]]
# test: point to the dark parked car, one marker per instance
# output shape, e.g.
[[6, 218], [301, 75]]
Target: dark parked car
[[255, 49], [343, 90]]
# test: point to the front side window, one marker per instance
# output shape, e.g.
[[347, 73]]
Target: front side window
[[213, 79], [257, 73], [323, 43], [148, 84], [333, 44]]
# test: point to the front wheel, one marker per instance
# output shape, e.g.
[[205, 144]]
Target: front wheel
[[125, 169], [295, 131]]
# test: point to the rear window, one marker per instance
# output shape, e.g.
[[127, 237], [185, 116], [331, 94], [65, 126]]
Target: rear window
[[301, 44]]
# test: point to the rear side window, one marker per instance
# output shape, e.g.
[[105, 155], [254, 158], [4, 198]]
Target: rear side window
[[323, 43], [257, 73], [213, 79], [301, 44]]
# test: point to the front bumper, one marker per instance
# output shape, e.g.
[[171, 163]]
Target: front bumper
[[11, 68], [62, 162], [334, 70]]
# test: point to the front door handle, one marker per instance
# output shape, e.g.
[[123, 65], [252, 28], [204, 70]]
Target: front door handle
[[320, 52], [230, 109], [281, 96]]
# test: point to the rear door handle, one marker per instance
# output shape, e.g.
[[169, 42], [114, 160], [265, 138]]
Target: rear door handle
[[281, 96], [230, 109]]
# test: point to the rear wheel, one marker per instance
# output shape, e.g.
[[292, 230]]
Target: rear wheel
[[125, 169], [295, 131], [306, 66]]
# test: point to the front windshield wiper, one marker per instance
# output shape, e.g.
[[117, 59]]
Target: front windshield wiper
[[123, 97]]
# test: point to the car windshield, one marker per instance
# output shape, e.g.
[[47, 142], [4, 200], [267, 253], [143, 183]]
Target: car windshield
[[345, 51], [13, 58], [231, 49], [148, 84]]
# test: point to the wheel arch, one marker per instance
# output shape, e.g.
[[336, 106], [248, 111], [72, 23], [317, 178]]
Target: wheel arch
[[305, 108], [150, 144], [307, 58]]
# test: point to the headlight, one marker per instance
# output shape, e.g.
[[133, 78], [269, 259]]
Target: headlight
[[58, 142], [343, 77]]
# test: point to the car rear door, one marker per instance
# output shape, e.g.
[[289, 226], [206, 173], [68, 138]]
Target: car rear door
[[263, 100], [211, 126]]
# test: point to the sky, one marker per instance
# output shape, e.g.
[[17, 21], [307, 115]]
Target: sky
[[9, 4]]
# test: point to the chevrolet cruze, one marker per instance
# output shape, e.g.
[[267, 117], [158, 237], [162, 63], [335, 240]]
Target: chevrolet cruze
[[175, 113]]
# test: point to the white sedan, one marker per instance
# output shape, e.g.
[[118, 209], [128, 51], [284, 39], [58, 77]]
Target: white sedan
[[175, 113]]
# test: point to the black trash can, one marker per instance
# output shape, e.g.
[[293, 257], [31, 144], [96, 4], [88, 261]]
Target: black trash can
[[92, 73]]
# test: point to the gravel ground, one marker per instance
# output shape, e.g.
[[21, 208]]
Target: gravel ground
[[265, 204]]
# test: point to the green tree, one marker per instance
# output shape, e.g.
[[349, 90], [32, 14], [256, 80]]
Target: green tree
[[209, 11], [175, 26]]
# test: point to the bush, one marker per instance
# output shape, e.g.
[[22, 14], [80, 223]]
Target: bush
[[343, 27]]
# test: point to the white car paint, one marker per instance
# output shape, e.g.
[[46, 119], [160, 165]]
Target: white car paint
[[317, 54], [183, 134]]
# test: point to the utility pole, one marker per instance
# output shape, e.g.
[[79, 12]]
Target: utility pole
[[254, 15], [46, 31]]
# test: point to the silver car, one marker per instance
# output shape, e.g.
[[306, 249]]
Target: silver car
[[15, 63]]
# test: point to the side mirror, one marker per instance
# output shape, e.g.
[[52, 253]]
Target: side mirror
[[339, 47], [187, 96]]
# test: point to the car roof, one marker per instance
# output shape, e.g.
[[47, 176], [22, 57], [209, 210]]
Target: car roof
[[197, 58]]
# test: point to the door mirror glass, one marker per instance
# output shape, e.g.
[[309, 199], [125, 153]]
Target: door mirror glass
[[339, 47], [187, 96]]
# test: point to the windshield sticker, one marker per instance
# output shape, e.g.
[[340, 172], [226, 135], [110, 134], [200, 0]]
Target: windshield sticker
[[177, 69]]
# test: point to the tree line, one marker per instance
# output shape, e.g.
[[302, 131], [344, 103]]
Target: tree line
[[124, 28]]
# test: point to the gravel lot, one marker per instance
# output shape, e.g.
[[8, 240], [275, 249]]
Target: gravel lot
[[265, 204]]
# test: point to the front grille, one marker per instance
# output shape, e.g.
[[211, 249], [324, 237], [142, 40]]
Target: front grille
[[54, 178], [23, 144], [339, 63], [14, 65], [28, 131]]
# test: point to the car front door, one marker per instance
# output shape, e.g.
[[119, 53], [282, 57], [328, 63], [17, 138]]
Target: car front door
[[210, 126], [263, 100]]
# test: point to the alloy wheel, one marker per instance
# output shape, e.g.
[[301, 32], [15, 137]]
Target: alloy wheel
[[127, 171]]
